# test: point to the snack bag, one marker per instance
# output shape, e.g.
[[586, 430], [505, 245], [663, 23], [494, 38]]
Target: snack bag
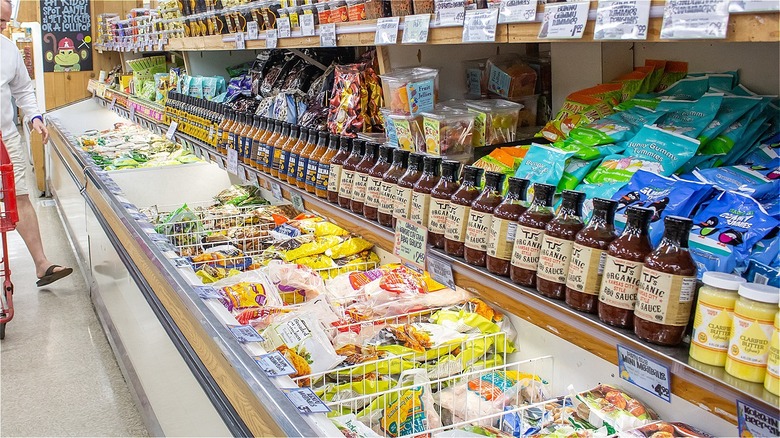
[[543, 164], [664, 429], [608, 406], [737, 132], [357, 387], [731, 109], [757, 181], [318, 246], [689, 118], [619, 169], [296, 284], [615, 128], [349, 247], [673, 72], [580, 108], [604, 190], [408, 411], [654, 78], [690, 88], [669, 149], [632, 82], [351, 427], [417, 341]]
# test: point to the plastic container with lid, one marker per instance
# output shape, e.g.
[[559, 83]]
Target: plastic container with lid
[[356, 10], [392, 138], [495, 122], [409, 132], [751, 331], [448, 134], [412, 90], [712, 320], [772, 379]]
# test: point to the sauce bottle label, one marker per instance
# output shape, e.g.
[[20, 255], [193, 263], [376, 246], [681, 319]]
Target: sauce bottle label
[[528, 245], [403, 202], [586, 269], [311, 172], [749, 344], [345, 185], [712, 327], [323, 176], [554, 259], [437, 218], [456, 222], [386, 198], [665, 298], [373, 191], [359, 186], [501, 238], [284, 162], [420, 208], [477, 230], [334, 177], [303, 169], [620, 283]]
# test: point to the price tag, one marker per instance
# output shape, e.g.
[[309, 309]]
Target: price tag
[[274, 364], [305, 400], [440, 270], [622, 20], [283, 26], [276, 190], [297, 201], [307, 24], [386, 31], [157, 237], [692, 19], [132, 112], [410, 241], [644, 372], [564, 20], [245, 333], [240, 41], [207, 293], [516, 11], [450, 13], [160, 44], [328, 35], [171, 130], [752, 421], [112, 105], [181, 263], [271, 38], [232, 161], [416, 29], [480, 26], [251, 30]]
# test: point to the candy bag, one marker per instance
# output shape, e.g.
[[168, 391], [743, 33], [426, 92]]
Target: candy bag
[[654, 78], [755, 181], [669, 149], [734, 134], [543, 164], [673, 72], [689, 118], [620, 169], [731, 109], [615, 128], [574, 172], [348, 247], [604, 190]]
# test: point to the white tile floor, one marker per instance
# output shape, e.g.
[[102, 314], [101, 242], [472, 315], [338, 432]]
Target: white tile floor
[[58, 374]]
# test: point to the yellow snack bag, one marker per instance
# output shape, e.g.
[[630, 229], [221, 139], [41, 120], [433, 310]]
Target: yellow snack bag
[[349, 247], [319, 261], [329, 229], [318, 246]]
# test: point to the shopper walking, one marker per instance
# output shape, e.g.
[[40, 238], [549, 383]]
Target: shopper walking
[[16, 83]]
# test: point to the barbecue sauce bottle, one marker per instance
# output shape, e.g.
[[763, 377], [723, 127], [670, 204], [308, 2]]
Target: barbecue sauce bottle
[[348, 173], [402, 205], [480, 219], [360, 182], [323, 169], [440, 202], [246, 155], [261, 131], [295, 154], [623, 269], [666, 287], [529, 235], [389, 183], [588, 255], [374, 188], [314, 162], [503, 227], [265, 149], [557, 245], [421, 196], [336, 165], [284, 159], [303, 159], [275, 152], [460, 210]]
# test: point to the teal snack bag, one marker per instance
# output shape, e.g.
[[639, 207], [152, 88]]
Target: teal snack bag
[[747, 143], [724, 142], [646, 102], [590, 153], [574, 172], [669, 149], [692, 88], [616, 127], [689, 118], [209, 87], [600, 190], [731, 109], [543, 164], [723, 81], [196, 87], [767, 150], [620, 169]]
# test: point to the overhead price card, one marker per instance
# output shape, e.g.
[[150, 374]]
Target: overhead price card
[[410, 242], [386, 31], [516, 11], [479, 26], [450, 13], [622, 20], [564, 20], [692, 19], [416, 29]]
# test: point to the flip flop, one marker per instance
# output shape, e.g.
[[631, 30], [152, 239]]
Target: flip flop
[[51, 276]]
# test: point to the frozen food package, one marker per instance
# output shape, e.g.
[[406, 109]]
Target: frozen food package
[[417, 341], [295, 283], [608, 406], [350, 426], [662, 429]]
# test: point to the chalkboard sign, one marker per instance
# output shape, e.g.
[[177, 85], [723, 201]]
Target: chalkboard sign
[[66, 26]]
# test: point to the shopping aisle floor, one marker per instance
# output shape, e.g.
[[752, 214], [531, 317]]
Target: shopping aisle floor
[[58, 374]]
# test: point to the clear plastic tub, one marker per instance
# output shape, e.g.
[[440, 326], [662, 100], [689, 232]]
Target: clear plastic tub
[[496, 121], [448, 134], [409, 132], [509, 77], [528, 114], [411, 91], [392, 138]]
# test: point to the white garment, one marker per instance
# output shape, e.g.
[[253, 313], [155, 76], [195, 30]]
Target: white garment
[[14, 81]]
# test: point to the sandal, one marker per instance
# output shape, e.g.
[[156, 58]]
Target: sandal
[[51, 276]]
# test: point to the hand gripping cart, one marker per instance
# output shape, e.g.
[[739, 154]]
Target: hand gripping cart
[[9, 216]]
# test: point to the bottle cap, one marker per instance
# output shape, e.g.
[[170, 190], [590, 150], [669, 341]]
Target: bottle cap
[[386, 152], [573, 200], [544, 193], [638, 215], [472, 174], [760, 292], [518, 187], [400, 156], [494, 180], [722, 280], [431, 164], [415, 159]]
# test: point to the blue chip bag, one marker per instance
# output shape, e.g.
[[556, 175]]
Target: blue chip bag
[[726, 230], [616, 127], [731, 109], [689, 118], [756, 181], [543, 164], [669, 149], [665, 196], [760, 273]]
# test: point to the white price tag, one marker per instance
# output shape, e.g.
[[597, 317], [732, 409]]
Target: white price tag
[[646, 373], [132, 113], [450, 13], [297, 201], [232, 161], [283, 26], [240, 41], [208, 293], [480, 26], [305, 400], [251, 30], [410, 241], [307, 24], [622, 20], [756, 421], [181, 263], [564, 20], [245, 333], [160, 44], [171, 130], [692, 19], [276, 190], [416, 29], [386, 31], [157, 237], [328, 35], [516, 11], [440, 270], [274, 364], [112, 105], [271, 38]]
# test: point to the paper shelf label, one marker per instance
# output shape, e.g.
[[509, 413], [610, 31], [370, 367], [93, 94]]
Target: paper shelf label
[[297, 201], [181, 263], [440, 270], [251, 30], [646, 373], [276, 190], [271, 39], [416, 29], [564, 21], [386, 31], [283, 26], [328, 35], [307, 24], [450, 13], [232, 161], [622, 20], [410, 242], [240, 41], [305, 400], [245, 333], [207, 292], [753, 421], [479, 26], [274, 364], [516, 11], [171, 130], [694, 19]]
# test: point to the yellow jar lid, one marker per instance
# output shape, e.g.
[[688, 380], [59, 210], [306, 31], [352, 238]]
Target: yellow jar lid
[[722, 280], [760, 292]]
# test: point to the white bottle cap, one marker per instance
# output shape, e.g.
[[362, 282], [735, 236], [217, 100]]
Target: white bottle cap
[[721, 280], [760, 292]]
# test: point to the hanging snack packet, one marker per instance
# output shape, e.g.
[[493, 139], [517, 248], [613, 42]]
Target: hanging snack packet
[[543, 164], [669, 149], [689, 118], [731, 109], [673, 72], [725, 230], [615, 128]]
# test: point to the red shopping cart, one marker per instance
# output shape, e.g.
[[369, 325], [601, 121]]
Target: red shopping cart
[[9, 216]]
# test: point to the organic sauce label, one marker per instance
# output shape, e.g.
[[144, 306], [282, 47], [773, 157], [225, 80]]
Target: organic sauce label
[[586, 269], [456, 222], [478, 229], [359, 187], [439, 212], [386, 198], [750, 340], [554, 259], [403, 202], [712, 327], [528, 245], [419, 212], [620, 283], [373, 191], [665, 298], [501, 238], [345, 186], [334, 177]]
